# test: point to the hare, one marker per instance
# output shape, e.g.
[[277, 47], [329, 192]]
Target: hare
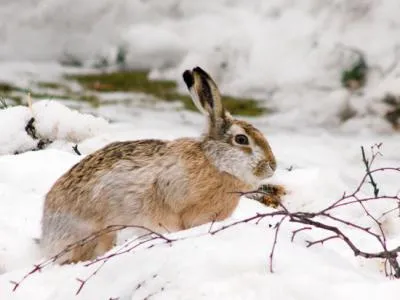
[[160, 185]]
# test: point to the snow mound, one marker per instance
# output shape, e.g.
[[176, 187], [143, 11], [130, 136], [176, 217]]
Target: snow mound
[[53, 122], [232, 264], [57, 122], [13, 137]]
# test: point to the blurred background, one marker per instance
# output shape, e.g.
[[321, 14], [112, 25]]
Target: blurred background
[[295, 65]]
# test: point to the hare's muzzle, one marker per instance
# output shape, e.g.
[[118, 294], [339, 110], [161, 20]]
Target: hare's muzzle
[[264, 169]]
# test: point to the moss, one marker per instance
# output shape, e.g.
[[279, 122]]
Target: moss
[[16, 99], [17, 94], [130, 81], [137, 81], [236, 106], [48, 96], [91, 99], [8, 91], [355, 77], [6, 88], [51, 85]]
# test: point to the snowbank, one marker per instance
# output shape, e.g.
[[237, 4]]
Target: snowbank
[[232, 264], [53, 122]]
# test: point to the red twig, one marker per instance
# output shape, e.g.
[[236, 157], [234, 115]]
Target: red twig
[[309, 220], [271, 254], [295, 232], [322, 241]]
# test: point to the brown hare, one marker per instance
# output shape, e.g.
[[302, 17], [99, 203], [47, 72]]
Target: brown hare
[[161, 185]]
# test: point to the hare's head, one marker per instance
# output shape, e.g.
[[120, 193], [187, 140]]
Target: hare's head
[[234, 146]]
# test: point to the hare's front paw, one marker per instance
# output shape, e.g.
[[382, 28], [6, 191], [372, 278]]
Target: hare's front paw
[[269, 194]]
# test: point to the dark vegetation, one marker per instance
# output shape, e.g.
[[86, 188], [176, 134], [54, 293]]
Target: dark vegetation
[[137, 81], [44, 90], [355, 77], [393, 113], [133, 81]]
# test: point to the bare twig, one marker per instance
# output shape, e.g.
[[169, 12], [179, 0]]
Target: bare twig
[[295, 232], [322, 241], [271, 254], [368, 172], [76, 150], [309, 220]]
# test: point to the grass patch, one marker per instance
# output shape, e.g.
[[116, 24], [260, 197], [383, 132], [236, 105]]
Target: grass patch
[[6, 88], [137, 81], [237, 106], [66, 94], [8, 91], [17, 94], [355, 76], [52, 85]]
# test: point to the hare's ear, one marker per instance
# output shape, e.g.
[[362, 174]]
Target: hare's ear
[[204, 92]]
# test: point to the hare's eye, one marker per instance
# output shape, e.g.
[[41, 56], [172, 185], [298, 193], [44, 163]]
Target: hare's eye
[[241, 139]]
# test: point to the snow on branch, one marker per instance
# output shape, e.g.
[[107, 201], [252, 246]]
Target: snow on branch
[[325, 219]]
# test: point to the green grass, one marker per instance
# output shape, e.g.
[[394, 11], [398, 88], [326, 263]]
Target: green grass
[[122, 81], [355, 77], [6, 88], [7, 91], [164, 90], [52, 85], [16, 94]]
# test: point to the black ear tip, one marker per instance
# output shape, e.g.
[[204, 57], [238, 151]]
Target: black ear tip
[[188, 78], [200, 71]]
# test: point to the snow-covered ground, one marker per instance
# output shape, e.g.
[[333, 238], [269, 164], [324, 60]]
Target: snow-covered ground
[[288, 54], [232, 264]]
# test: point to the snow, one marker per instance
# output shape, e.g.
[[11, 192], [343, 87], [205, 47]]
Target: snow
[[53, 121], [232, 264], [288, 54]]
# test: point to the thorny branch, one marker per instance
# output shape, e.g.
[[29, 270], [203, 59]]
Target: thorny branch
[[368, 171], [323, 219]]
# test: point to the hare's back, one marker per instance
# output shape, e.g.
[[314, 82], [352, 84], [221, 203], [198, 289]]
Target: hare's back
[[136, 154], [129, 150]]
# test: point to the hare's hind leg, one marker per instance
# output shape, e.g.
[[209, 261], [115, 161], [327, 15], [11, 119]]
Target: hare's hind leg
[[105, 243], [89, 249], [67, 238]]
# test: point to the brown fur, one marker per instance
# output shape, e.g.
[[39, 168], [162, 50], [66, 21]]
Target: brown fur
[[204, 195], [160, 185]]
